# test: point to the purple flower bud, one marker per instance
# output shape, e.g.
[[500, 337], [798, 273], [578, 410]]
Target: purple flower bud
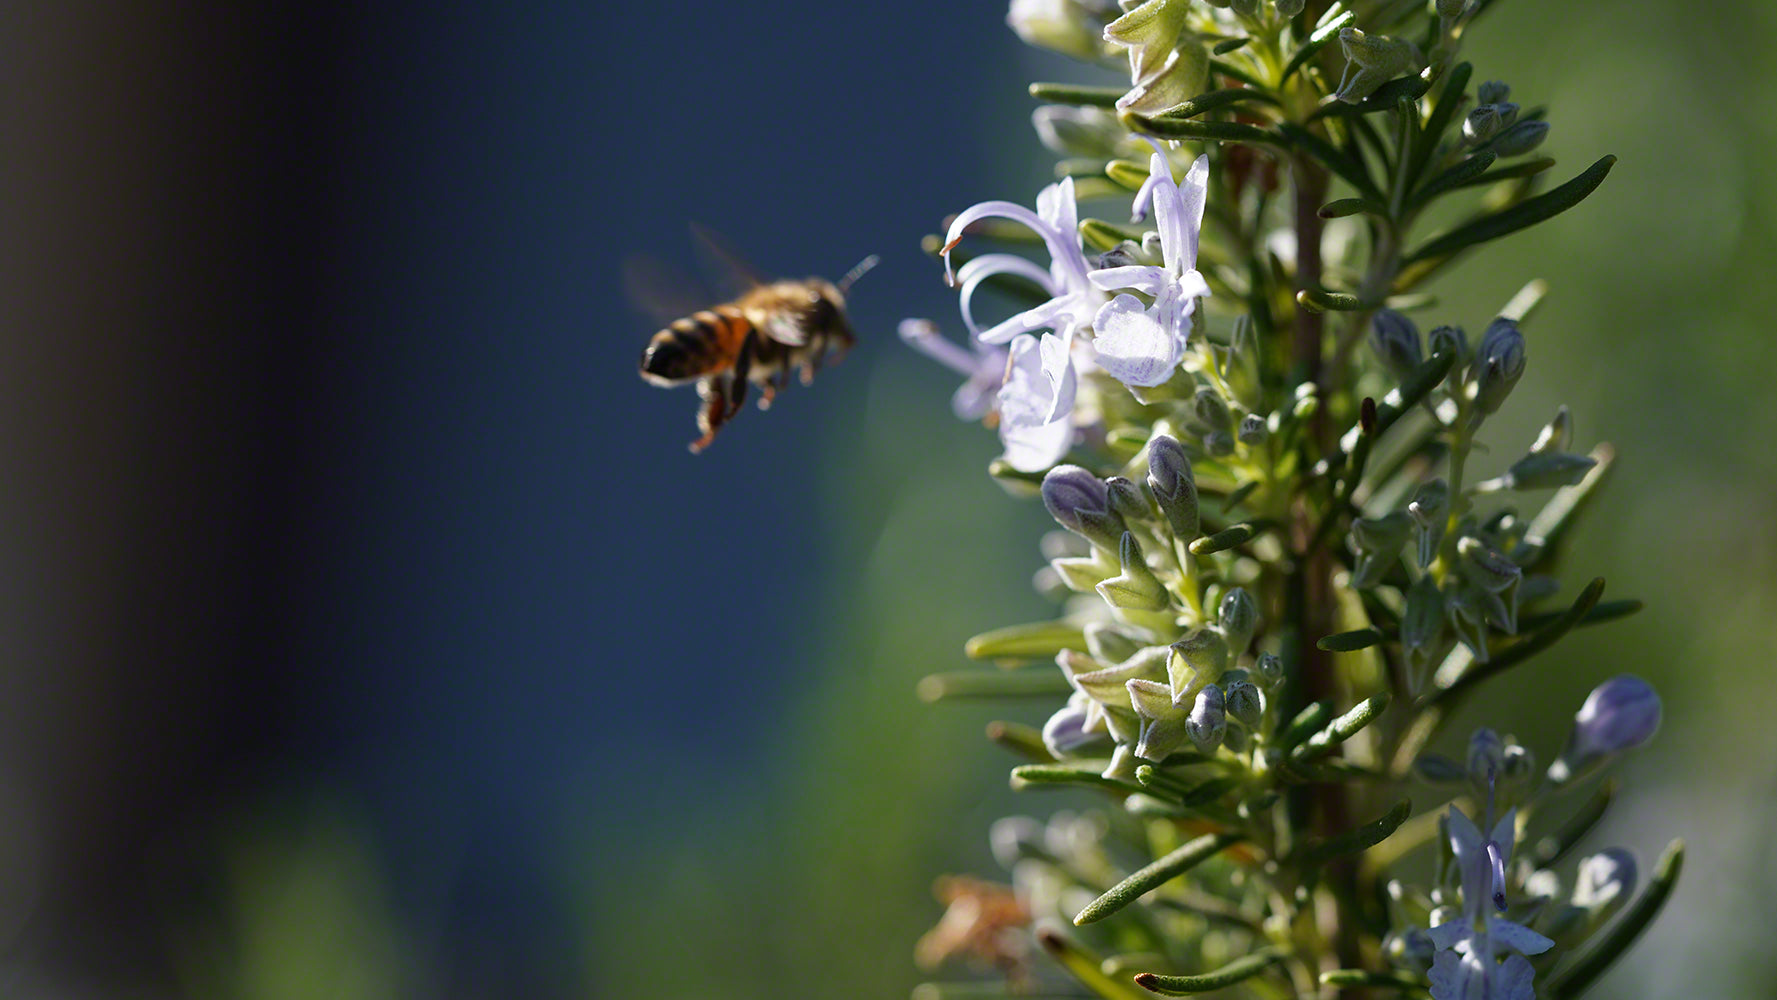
[[1208, 721], [1486, 755], [1245, 702], [1620, 714], [1126, 499], [1080, 502], [1395, 339], [1065, 732], [1499, 361], [1169, 477]]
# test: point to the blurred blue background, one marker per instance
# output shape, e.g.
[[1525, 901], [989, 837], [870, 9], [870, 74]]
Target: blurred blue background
[[368, 631]]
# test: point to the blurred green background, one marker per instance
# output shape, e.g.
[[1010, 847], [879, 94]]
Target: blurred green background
[[368, 632]]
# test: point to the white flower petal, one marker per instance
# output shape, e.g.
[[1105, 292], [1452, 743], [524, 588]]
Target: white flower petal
[[1050, 315], [979, 269], [1465, 836], [1142, 277], [1132, 344], [922, 335], [1057, 357], [1038, 448]]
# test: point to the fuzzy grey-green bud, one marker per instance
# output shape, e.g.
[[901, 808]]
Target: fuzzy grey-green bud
[[1126, 499], [1239, 618], [1212, 409], [1245, 8], [1136, 588], [1485, 565], [1268, 668], [1521, 138], [1430, 511], [1169, 479], [1219, 443], [1377, 542], [1395, 339], [1481, 124], [1245, 702], [1290, 8], [1253, 430], [1109, 644], [1499, 361], [1492, 92], [1422, 620]]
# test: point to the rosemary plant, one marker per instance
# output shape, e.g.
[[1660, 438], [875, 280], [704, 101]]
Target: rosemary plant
[[1278, 578]]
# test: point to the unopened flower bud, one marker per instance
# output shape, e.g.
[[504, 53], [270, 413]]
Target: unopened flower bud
[[1268, 668], [1253, 430], [1422, 620], [1486, 756], [1199, 658], [1395, 339], [1065, 732], [1492, 569], [1448, 340], [1377, 542], [1481, 124], [1239, 619], [1123, 254], [1289, 8], [1208, 720], [1136, 588], [1543, 471], [1620, 714], [1499, 361], [1108, 644], [1556, 435], [1169, 478], [1245, 702], [1508, 113], [1055, 24], [1430, 511], [1163, 724], [1605, 880], [1245, 8], [1212, 409], [1126, 500], [1080, 502], [1492, 92], [1219, 443], [1521, 138]]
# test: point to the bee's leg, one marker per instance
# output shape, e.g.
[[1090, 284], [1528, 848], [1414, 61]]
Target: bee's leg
[[817, 346], [743, 363], [768, 390], [714, 391]]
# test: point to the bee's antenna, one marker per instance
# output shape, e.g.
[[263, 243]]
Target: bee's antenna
[[855, 273]]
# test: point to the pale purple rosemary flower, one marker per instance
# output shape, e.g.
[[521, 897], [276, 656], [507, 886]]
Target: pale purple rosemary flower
[[1036, 402], [984, 367], [1620, 714], [1141, 345], [1468, 965]]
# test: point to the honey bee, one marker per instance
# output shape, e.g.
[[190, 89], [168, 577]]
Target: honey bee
[[758, 338]]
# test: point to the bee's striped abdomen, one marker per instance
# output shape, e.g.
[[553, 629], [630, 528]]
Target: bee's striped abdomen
[[706, 341]]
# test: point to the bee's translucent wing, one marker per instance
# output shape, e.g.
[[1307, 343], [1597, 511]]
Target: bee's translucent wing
[[731, 271], [661, 290]]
